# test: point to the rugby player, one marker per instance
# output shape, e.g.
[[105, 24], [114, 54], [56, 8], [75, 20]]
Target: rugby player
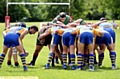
[[108, 28], [13, 51], [85, 38], [41, 43], [60, 21], [13, 38]]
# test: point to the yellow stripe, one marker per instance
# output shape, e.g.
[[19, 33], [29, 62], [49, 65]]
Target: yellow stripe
[[7, 30], [22, 30], [52, 40], [75, 42]]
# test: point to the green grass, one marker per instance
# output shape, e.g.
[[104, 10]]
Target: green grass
[[57, 72]]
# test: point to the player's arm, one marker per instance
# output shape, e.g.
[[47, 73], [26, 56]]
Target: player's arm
[[95, 25], [42, 30], [23, 33], [70, 20], [55, 19], [47, 25], [58, 23], [5, 32], [73, 24], [80, 22], [22, 36]]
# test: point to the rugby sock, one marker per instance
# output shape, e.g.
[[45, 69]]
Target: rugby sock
[[76, 52], [72, 57], [113, 58], [101, 57], [69, 60], [95, 61], [34, 58], [91, 61], [80, 60], [85, 59], [50, 57], [2, 56], [53, 63], [64, 56], [56, 59], [23, 59]]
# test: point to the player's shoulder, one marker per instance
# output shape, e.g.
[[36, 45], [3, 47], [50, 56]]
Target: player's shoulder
[[67, 15]]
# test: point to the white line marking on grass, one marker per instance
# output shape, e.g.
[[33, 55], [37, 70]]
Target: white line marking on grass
[[19, 77]]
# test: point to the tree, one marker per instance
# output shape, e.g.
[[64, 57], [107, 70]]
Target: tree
[[2, 10]]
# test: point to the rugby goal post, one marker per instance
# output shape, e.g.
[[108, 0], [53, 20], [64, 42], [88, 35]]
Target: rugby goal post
[[7, 17]]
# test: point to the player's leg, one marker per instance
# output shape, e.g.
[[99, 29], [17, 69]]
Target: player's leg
[[72, 42], [59, 50], [112, 56], [2, 56], [15, 57], [35, 54], [89, 43], [7, 44], [99, 42], [12, 52], [101, 54], [16, 42], [50, 56], [91, 56], [95, 59], [55, 56], [64, 56], [38, 48], [58, 55], [72, 57], [80, 55], [81, 46], [86, 56], [54, 43], [65, 41], [22, 56], [9, 57], [112, 51], [109, 43]]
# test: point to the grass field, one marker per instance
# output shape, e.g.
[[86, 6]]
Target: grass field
[[105, 72]]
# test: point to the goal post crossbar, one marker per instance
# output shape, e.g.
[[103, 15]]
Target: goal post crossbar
[[35, 3], [7, 18]]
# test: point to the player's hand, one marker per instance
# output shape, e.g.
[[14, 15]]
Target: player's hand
[[99, 51], [26, 53], [42, 41]]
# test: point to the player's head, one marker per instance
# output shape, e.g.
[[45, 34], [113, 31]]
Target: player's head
[[102, 18], [23, 24], [62, 16], [33, 29]]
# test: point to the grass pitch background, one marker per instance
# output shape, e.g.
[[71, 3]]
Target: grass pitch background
[[57, 72]]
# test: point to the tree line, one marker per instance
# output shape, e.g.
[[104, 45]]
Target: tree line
[[86, 9]]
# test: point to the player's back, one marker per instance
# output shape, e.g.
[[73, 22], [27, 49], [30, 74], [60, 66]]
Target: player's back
[[15, 30], [106, 25]]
